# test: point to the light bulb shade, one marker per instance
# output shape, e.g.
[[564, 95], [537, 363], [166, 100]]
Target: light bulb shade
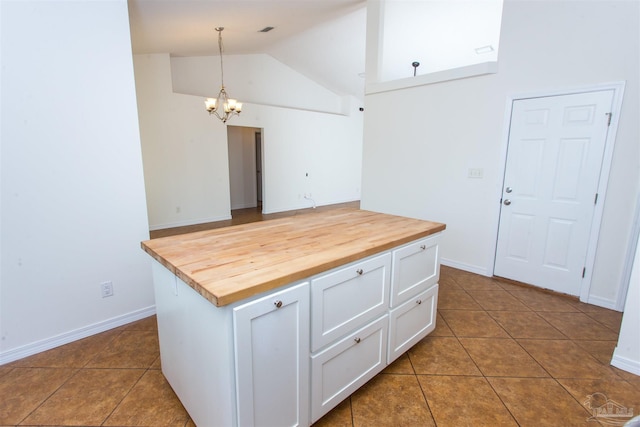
[[210, 104], [232, 104], [238, 107]]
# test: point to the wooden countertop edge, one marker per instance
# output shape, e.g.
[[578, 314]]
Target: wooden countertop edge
[[231, 297]]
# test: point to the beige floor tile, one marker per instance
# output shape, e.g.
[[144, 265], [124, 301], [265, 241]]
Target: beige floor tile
[[497, 300], [601, 350], [4, 370], [595, 393], [130, 349], [340, 416], [402, 365], [73, 355], [150, 402], [475, 282], [538, 300], [157, 364], [477, 324], [526, 324], [579, 326], [464, 401], [147, 324], [390, 400], [565, 359], [456, 299], [609, 318], [447, 282], [539, 402], [87, 398], [22, 390], [442, 329], [499, 357], [441, 356]]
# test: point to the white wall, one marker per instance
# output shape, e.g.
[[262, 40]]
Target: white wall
[[627, 353], [416, 163], [185, 153], [73, 209], [186, 157], [242, 167], [440, 35]]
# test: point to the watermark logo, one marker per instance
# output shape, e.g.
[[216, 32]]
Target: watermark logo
[[607, 411]]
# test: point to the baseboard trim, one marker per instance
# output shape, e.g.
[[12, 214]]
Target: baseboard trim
[[67, 337], [602, 302], [465, 267], [625, 363]]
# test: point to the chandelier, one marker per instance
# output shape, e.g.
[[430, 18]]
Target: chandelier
[[223, 107]]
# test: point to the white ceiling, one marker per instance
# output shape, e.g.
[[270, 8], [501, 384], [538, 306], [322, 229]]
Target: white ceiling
[[322, 39]]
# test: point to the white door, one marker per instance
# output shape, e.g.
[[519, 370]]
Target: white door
[[554, 158]]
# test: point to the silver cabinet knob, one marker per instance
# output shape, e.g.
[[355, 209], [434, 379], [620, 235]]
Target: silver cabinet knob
[[357, 340], [359, 271], [507, 202], [419, 302], [277, 303], [508, 189]]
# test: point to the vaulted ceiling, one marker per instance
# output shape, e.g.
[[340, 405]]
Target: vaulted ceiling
[[322, 39]]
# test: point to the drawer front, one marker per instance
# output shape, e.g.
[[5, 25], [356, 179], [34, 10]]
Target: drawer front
[[411, 322], [344, 367], [415, 269], [348, 298]]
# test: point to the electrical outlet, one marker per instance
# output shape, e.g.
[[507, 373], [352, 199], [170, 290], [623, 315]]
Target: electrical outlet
[[107, 289]]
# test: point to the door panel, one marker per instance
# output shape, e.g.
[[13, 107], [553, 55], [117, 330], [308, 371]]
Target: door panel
[[554, 157]]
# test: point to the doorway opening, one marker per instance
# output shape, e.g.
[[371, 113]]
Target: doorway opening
[[245, 169]]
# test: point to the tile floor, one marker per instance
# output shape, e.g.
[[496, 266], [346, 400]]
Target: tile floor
[[501, 355]]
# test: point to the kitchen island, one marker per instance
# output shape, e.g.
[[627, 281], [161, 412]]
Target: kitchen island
[[276, 322]]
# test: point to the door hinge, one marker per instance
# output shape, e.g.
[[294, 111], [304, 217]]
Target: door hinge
[[595, 200], [584, 270], [609, 118]]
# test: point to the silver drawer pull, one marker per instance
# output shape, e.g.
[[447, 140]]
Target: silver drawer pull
[[423, 247], [357, 340], [419, 301], [277, 303], [359, 271]]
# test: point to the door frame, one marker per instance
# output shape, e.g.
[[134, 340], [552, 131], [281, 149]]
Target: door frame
[[618, 92]]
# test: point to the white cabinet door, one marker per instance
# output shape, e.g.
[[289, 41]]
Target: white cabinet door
[[416, 267], [348, 298], [411, 322], [344, 367], [271, 340]]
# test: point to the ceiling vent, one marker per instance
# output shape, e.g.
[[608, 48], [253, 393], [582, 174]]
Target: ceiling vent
[[266, 29]]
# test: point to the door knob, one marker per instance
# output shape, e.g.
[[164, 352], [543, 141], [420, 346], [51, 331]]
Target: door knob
[[507, 202], [508, 189]]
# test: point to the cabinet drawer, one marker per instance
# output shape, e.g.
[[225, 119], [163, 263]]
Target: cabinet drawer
[[415, 269], [348, 298], [344, 367], [411, 322]]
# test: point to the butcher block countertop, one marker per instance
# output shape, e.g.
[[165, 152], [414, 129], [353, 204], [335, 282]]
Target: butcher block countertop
[[230, 264]]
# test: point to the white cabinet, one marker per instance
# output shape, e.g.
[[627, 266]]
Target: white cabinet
[[271, 343], [287, 357], [411, 322], [348, 298], [345, 366]]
